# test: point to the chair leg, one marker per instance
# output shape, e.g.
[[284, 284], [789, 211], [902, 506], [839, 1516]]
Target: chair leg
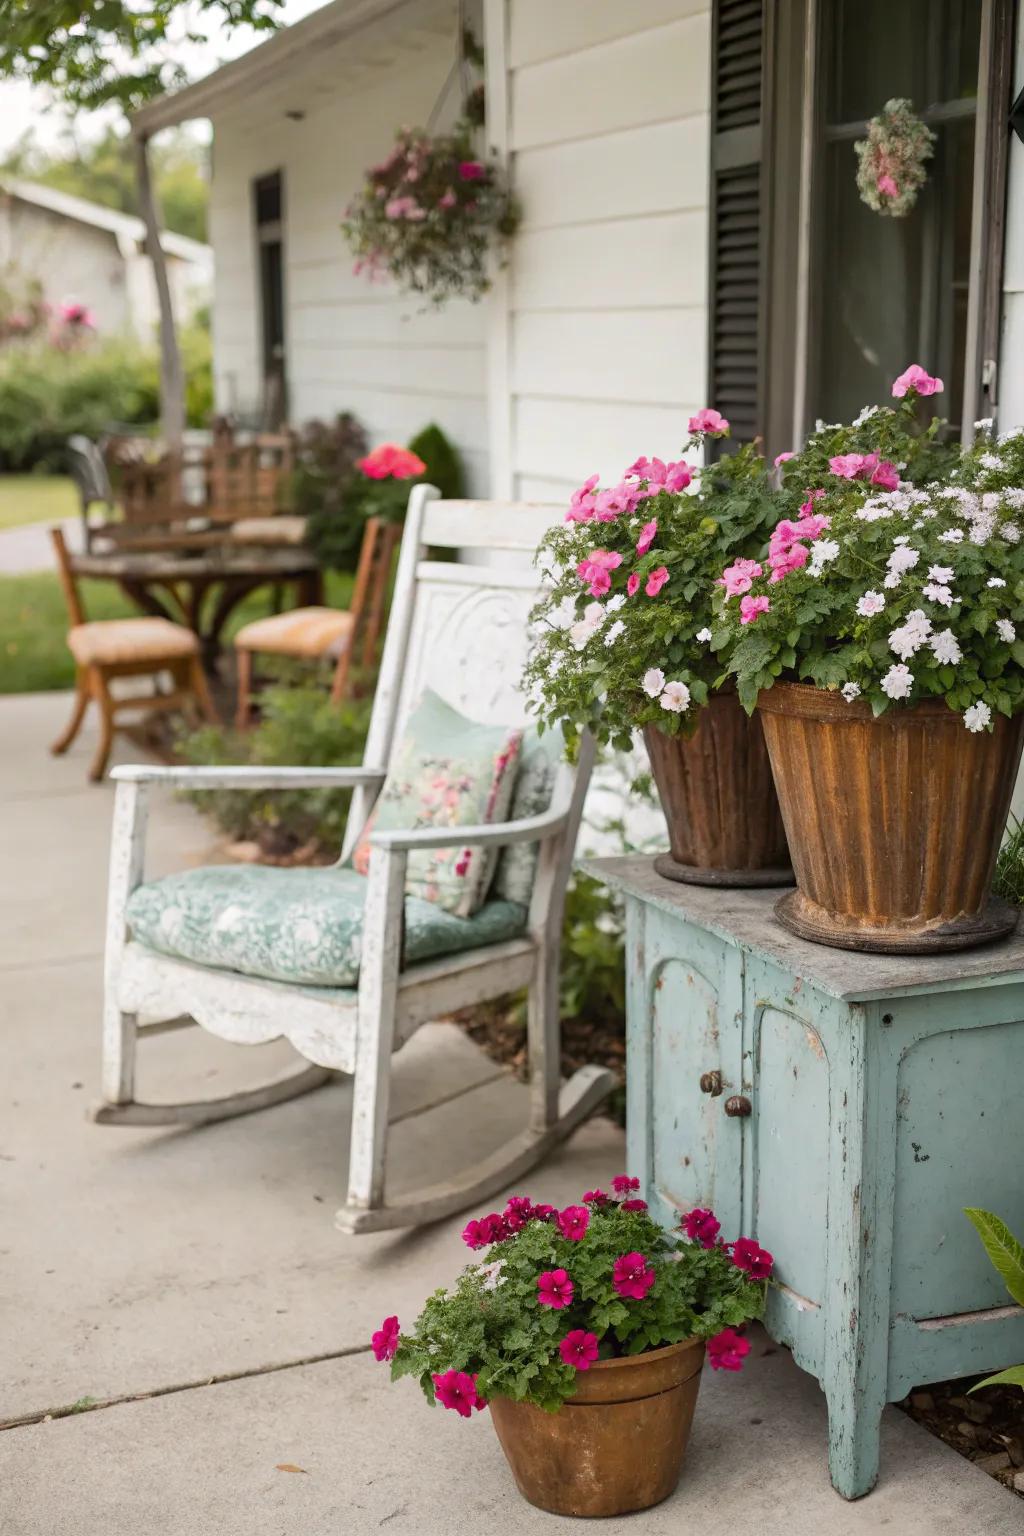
[[101, 693], [244, 707], [74, 725], [544, 1039], [201, 688], [120, 1037], [371, 1094]]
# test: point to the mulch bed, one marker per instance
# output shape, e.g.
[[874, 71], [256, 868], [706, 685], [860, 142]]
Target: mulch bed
[[987, 1428]]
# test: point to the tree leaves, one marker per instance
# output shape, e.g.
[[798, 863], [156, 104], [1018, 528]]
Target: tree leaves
[[1005, 1252]]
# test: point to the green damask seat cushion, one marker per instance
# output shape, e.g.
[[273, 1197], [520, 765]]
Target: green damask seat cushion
[[295, 925]]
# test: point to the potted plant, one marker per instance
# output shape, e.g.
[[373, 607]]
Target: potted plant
[[621, 643], [878, 641], [584, 1330]]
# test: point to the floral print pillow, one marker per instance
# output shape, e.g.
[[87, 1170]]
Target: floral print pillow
[[446, 772]]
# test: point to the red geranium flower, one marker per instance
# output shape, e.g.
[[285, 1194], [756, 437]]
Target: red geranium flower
[[623, 1183], [390, 461], [471, 170], [632, 1276], [573, 1222], [544, 1212], [595, 1197], [633, 1205], [727, 1350], [385, 1341], [702, 1226], [579, 1349], [456, 1389], [748, 1255], [554, 1288]]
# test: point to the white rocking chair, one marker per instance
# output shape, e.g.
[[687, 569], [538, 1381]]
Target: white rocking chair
[[460, 629]]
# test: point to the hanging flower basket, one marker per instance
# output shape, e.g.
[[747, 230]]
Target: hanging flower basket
[[429, 215], [891, 160]]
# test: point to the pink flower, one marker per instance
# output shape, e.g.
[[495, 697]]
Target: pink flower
[[78, 314], [886, 184], [678, 476], [624, 1182], [748, 1255], [783, 458], [647, 536], [727, 1350], [783, 561], [573, 1222], [709, 421], [915, 378], [609, 504], [471, 170], [639, 1205], [404, 208], [519, 1205], [447, 199], [812, 525], [702, 1226], [544, 1212], [385, 1341], [848, 466], [632, 584], [886, 475], [455, 1389], [595, 1197], [489, 1229], [579, 1348], [632, 1276], [581, 503], [740, 577], [595, 567], [751, 608], [462, 863], [388, 460], [656, 580], [554, 1289]]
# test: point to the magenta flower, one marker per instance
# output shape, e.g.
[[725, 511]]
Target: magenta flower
[[709, 421], [456, 1389], [471, 170], [633, 584], [488, 1229], [702, 1226], [783, 458], [522, 1205], [579, 1349], [751, 608], [623, 1183], [886, 475], [740, 576], [656, 580], [544, 1212], [581, 502], [748, 1255], [678, 476], [595, 1197], [595, 569], [635, 1205], [727, 1350], [783, 561], [915, 378], [554, 1289], [632, 1276], [647, 536], [385, 1341], [573, 1222]]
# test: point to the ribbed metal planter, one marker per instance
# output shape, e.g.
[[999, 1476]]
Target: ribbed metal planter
[[894, 823], [614, 1447], [715, 787]]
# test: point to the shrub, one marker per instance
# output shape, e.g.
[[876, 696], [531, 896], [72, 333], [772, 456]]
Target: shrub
[[324, 489], [444, 467]]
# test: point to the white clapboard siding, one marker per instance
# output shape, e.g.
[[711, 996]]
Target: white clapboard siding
[[599, 352]]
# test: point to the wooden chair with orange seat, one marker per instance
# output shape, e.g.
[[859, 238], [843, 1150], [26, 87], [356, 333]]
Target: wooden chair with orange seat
[[314, 634], [107, 648]]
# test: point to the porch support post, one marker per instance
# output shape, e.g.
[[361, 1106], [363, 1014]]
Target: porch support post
[[172, 378]]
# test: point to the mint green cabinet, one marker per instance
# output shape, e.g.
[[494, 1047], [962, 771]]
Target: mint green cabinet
[[842, 1109]]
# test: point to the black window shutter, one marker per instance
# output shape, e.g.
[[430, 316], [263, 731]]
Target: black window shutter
[[737, 245]]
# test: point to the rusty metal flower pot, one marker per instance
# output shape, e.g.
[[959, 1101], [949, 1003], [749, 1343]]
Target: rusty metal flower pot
[[894, 823], [614, 1447], [716, 790]]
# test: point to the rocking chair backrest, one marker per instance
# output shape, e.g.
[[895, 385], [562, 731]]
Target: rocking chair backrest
[[459, 628]]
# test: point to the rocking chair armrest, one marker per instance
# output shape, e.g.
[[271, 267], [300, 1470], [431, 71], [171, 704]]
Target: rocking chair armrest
[[501, 834], [248, 778]]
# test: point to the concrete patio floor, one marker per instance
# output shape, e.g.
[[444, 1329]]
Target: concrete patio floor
[[155, 1264]]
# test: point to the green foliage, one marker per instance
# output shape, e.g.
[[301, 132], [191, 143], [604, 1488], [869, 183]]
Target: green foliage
[[593, 971], [1007, 1256], [326, 489], [492, 1325], [444, 467], [120, 54], [299, 725], [1009, 877], [103, 171], [589, 659]]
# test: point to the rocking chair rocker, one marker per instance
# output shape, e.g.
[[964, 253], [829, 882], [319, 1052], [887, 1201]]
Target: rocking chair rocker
[[459, 629]]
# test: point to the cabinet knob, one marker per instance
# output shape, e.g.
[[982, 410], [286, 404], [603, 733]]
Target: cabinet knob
[[738, 1106], [711, 1082]]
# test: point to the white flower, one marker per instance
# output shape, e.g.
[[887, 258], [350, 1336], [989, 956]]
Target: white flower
[[870, 604], [653, 682], [821, 553], [581, 632], [995, 581], [940, 573], [977, 717], [1006, 630], [1010, 532], [676, 697], [850, 691], [866, 414], [565, 614], [945, 648], [981, 527], [952, 536], [938, 594], [615, 603], [902, 559], [614, 632], [984, 425], [990, 461], [911, 635], [1014, 496], [704, 636], [898, 682]]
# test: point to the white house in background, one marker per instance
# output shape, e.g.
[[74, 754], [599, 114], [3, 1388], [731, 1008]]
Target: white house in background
[[691, 229], [85, 254]]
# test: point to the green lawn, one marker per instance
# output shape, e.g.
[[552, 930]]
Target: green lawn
[[33, 622], [36, 499]]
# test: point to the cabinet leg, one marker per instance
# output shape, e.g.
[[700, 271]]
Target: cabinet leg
[[854, 1430]]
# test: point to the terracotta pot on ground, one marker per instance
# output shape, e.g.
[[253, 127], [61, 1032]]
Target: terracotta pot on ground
[[716, 790], [617, 1445], [894, 823]]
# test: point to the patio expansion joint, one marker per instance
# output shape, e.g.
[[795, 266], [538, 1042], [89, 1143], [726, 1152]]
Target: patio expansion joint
[[75, 1410]]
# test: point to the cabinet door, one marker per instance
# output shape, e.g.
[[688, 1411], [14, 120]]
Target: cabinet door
[[684, 1023]]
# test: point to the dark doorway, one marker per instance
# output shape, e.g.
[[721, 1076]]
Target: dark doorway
[[268, 212]]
